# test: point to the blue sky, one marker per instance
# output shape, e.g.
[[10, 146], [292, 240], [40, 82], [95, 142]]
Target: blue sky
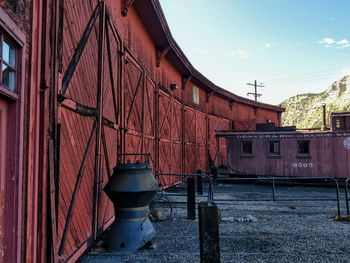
[[292, 46]]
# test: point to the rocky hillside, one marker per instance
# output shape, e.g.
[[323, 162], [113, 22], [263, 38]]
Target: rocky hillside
[[305, 110]]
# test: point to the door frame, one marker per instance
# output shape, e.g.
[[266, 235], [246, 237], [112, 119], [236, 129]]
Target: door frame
[[15, 113]]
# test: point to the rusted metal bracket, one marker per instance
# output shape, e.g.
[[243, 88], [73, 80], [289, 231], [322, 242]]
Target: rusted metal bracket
[[160, 54], [79, 108], [125, 6]]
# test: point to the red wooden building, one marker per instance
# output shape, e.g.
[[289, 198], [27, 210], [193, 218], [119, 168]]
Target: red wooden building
[[83, 82]]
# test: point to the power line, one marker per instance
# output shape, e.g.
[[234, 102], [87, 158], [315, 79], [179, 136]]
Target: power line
[[255, 94], [300, 81], [309, 74]]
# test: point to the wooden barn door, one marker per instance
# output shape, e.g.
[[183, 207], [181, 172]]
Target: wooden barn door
[[133, 108], [8, 184], [176, 139], [195, 141], [139, 112], [169, 130], [88, 125], [201, 141], [149, 121], [3, 176], [190, 140]]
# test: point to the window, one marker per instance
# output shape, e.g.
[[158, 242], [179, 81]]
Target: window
[[304, 148], [246, 148], [8, 64], [340, 123], [274, 148], [195, 93]]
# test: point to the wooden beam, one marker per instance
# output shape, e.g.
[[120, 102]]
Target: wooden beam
[[79, 108], [185, 81], [99, 118], [191, 199], [79, 50], [125, 6], [232, 103], [116, 112], [75, 192], [209, 218], [160, 54], [208, 95]]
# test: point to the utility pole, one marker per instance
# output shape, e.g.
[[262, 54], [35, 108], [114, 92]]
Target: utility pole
[[255, 94]]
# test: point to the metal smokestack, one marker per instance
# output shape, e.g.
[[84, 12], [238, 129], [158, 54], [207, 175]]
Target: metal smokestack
[[324, 124]]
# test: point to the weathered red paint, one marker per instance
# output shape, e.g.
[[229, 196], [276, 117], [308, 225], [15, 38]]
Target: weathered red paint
[[141, 114], [12, 137], [328, 154], [217, 147]]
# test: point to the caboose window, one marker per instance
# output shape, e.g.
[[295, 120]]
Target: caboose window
[[274, 148], [8, 64], [246, 148], [340, 123], [304, 147]]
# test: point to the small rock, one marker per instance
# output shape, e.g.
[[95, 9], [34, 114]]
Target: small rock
[[151, 245], [251, 218]]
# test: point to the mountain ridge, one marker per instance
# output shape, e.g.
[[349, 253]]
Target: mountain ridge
[[305, 110]]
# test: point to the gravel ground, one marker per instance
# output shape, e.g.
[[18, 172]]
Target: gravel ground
[[293, 231]]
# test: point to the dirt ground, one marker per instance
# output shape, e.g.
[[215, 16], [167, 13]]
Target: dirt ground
[[281, 231]]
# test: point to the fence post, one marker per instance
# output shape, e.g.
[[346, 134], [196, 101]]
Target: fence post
[[273, 190], [191, 199], [209, 232], [199, 183], [346, 197]]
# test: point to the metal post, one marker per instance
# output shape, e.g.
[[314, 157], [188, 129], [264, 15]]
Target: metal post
[[210, 190], [199, 183], [273, 190], [209, 232], [324, 125], [337, 190], [346, 197], [191, 199]]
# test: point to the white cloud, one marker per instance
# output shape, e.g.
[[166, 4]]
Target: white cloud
[[268, 45], [330, 42], [343, 43], [327, 41], [243, 54]]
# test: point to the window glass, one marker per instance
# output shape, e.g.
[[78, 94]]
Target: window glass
[[8, 78], [304, 147], [8, 53], [337, 123], [195, 95], [246, 148], [340, 123], [274, 148], [8, 65]]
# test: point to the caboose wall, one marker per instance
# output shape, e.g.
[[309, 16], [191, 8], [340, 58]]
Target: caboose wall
[[328, 156]]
